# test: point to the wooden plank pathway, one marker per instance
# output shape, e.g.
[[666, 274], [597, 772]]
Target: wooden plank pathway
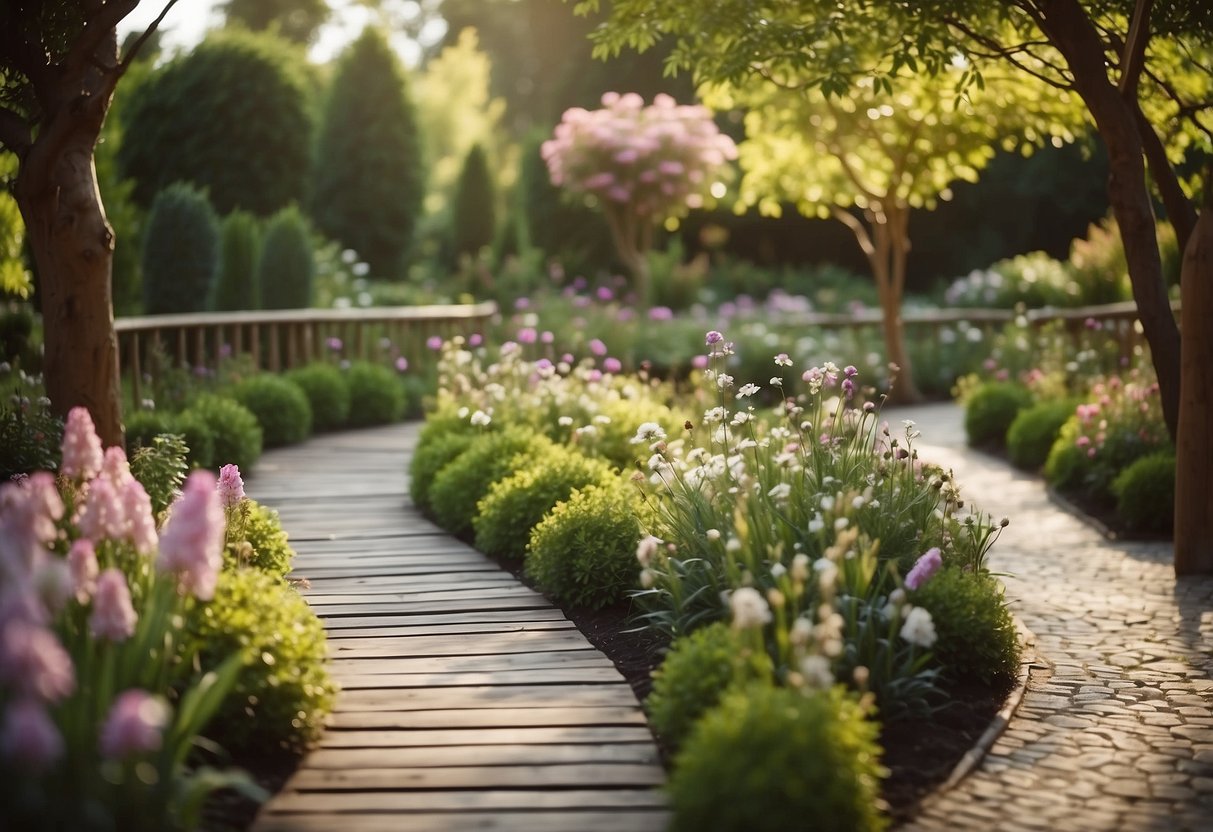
[[468, 701]]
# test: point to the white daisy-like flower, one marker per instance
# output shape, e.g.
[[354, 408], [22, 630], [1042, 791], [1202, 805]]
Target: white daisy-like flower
[[481, 419], [780, 491], [750, 609], [648, 432], [747, 390], [565, 421], [919, 628]]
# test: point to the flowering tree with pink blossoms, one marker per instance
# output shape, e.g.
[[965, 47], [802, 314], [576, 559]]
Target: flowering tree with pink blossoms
[[641, 165]]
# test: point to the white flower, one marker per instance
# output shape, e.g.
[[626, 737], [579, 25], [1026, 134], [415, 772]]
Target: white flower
[[776, 381], [780, 491], [646, 548], [462, 412], [841, 523], [827, 503], [646, 578], [749, 608], [778, 570], [648, 432], [740, 418], [919, 628], [816, 524], [712, 534], [800, 567], [816, 672], [782, 360], [480, 418], [732, 545], [565, 421], [724, 381], [716, 414], [747, 390]]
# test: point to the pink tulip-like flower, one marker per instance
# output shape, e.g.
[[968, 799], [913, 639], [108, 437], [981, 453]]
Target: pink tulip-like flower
[[612, 365], [113, 617], [597, 347], [140, 521], [115, 468], [28, 735], [135, 725], [82, 457], [925, 567], [191, 545], [28, 511], [103, 516], [82, 564], [231, 486], [33, 662]]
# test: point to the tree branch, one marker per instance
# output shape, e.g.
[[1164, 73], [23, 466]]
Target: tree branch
[[861, 232], [99, 24], [1180, 211], [138, 44]]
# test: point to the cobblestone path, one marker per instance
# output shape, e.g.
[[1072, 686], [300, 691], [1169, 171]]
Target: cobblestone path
[[1115, 731]]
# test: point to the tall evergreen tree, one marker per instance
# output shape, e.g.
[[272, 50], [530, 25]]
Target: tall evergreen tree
[[237, 286], [296, 20], [474, 214], [369, 179], [287, 267]]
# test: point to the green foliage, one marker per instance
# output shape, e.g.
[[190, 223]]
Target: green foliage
[[977, 638], [376, 395], [286, 268], [460, 485], [30, 436], [238, 436], [268, 548], [1064, 467], [613, 441], [160, 466], [180, 251], [991, 409], [143, 426], [237, 286], [369, 178], [1033, 432], [16, 331], [429, 458], [1145, 493], [515, 505], [328, 393], [232, 117], [280, 406], [790, 761], [583, 553], [699, 669], [14, 277], [296, 20], [474, 213], [283, 691]]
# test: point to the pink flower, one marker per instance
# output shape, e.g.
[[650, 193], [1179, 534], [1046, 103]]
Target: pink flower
[[713, 337], [82, 563], [135, 724], [699, 362], [925, 567], [115, 467], [597, 347], [191, 545], [434, 342], [140, 522], [103, 516], [527, 335], [29, 736], [82, 458], [402, 364], [28, 511], [34, 663], [612, 365], [113, 617], [231, 486]]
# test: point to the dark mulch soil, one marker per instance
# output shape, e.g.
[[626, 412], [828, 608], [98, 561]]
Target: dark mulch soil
[[228, 811]]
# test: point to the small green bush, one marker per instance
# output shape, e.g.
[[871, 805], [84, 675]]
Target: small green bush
[[976, 633], [268, 546], [143, 426], [238, 437], [583, 552], [281, 408], [180, 251], [327, 392], [236, 287], [1065, 467], [376, 397], [458, 488], [1145, 493], [515, 505], [613, 441], [287, 266], [1033, 432], [161, 467], [431, 457], [696, 673], [991, 409], [284, 691], [777, 759]]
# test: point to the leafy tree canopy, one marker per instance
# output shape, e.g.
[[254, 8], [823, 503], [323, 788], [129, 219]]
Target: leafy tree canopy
[[296, 20]]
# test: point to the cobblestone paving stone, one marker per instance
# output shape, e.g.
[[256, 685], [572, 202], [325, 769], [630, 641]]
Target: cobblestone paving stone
[[1115, 731]]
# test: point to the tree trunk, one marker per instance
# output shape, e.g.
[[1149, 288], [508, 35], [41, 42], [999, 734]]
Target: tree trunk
[[1194, 446]]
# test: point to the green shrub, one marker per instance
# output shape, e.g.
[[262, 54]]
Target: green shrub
[[696, 673], [431, 457], [142, 426], [459, 486], [1145, 493], [991, 409], [281, 408], [30, 438], [327, 392], [516, 504], [1065, 465], [1033, 432], [198, 436], [236, 288], [613, 440], [180, 251], [238, 437], [286, 269], [777, 759], [976, 633], [160, 466], [376, 397], [283, 692], [583, 553], [473, 218], [268, 547]]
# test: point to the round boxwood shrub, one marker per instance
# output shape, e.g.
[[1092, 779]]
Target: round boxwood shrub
[[180, 251], [460, 485], [286, 268], [142, 426], [283, 691], [238, 436], [281, 408], [613, 441], [376, 397], [516, 504], [1145, 493], [696, 673], [431, 457], [1033, 432], [583, 552], [268, 547], [991, 409], [1067, 464], [327, 392], [976, 633], [776, 759]]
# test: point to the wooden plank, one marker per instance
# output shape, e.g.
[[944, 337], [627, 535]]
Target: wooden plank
[[477, 664], [463, 801], [516, 602], [410, 583], [487, 696], [484, 736], [486, 616], [601, 775], [529, 717], [482, 755], [572, 676], [433, 592], [451, 629], [618, 819], [484, 644]]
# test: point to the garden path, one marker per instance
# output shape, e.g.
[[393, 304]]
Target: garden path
[[1115, 731], [468, 701]]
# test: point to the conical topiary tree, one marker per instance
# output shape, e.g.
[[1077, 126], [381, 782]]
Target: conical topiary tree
[[288, 265], [368, 181], [180, 251], [236, 287], [474, 213]]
